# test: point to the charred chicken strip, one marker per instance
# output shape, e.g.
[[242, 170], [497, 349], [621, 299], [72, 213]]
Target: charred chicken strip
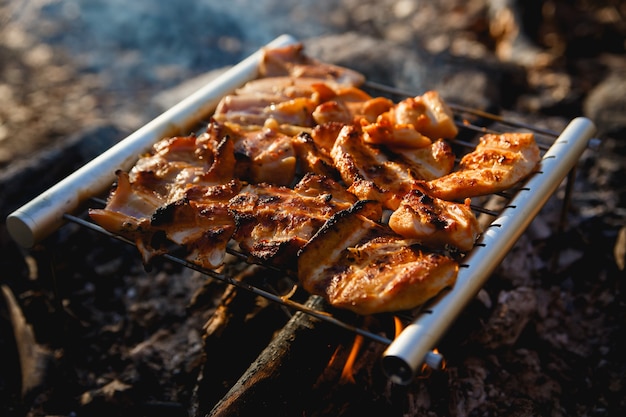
[[313, 159], [158, 179], [434, 222], [350, 156], [377, 173], [177, 194], [200, 223], [273, 223], [361, 265], [498, 162]]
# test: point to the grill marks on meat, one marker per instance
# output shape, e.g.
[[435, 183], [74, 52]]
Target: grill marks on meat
[[270, 222], [273, 223], [434, 222], [498, 162], [200, 222], [384, 174], [360, 265], [355, 154], [177, 194]]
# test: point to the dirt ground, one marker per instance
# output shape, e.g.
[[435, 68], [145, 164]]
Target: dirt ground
[[545, 341]]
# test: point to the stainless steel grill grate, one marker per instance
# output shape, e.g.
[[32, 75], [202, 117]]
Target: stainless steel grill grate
[[413, 347]]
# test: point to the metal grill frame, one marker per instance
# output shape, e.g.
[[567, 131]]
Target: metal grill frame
[[404, 355]]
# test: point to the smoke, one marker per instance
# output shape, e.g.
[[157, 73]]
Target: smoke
[[152, 44]]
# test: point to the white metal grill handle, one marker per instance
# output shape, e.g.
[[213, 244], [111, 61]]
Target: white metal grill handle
[[409, 350], [43, 215]]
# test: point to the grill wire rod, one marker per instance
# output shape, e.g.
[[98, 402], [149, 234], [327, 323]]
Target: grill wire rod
[[239, 284]]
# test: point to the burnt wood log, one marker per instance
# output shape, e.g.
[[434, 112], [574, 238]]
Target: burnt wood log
[[277, 381], [241, 326]]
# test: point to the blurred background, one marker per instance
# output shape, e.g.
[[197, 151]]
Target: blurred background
[[77, 73], [69, 64]]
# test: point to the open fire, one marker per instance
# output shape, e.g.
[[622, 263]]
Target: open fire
[[350, 359]]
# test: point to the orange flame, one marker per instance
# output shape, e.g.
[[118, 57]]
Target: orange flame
[[333, 358], [426, 371], [347, 374], [398, 325]]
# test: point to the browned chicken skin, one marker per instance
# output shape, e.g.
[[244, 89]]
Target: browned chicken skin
[[434, 222], [273, 223], [350, 155], [498, 162], [177, 194], [383, 174], [363, 266]]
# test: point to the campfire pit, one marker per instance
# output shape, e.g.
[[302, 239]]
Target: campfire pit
[[310, 337]]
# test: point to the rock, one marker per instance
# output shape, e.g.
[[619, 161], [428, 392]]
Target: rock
[[483, 84], [606, 105], [513, 311]]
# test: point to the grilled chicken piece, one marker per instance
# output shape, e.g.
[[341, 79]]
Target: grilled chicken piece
[[128, 209], [287, 100], [360, 265], [290, 87], [291, 60], [351, 105], [160, 177], [434, 222], [277, 89], [429, 114], [200, 222], [177, 194], [313, 159], [263, 154], [498, 162], [178, 161], [273, 222], [325, 135], [174, 161], [378, 173], [413, 123], [255, 111], [303, 102]]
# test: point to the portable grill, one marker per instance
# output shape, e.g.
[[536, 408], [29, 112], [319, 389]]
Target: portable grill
[[414, 345]]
